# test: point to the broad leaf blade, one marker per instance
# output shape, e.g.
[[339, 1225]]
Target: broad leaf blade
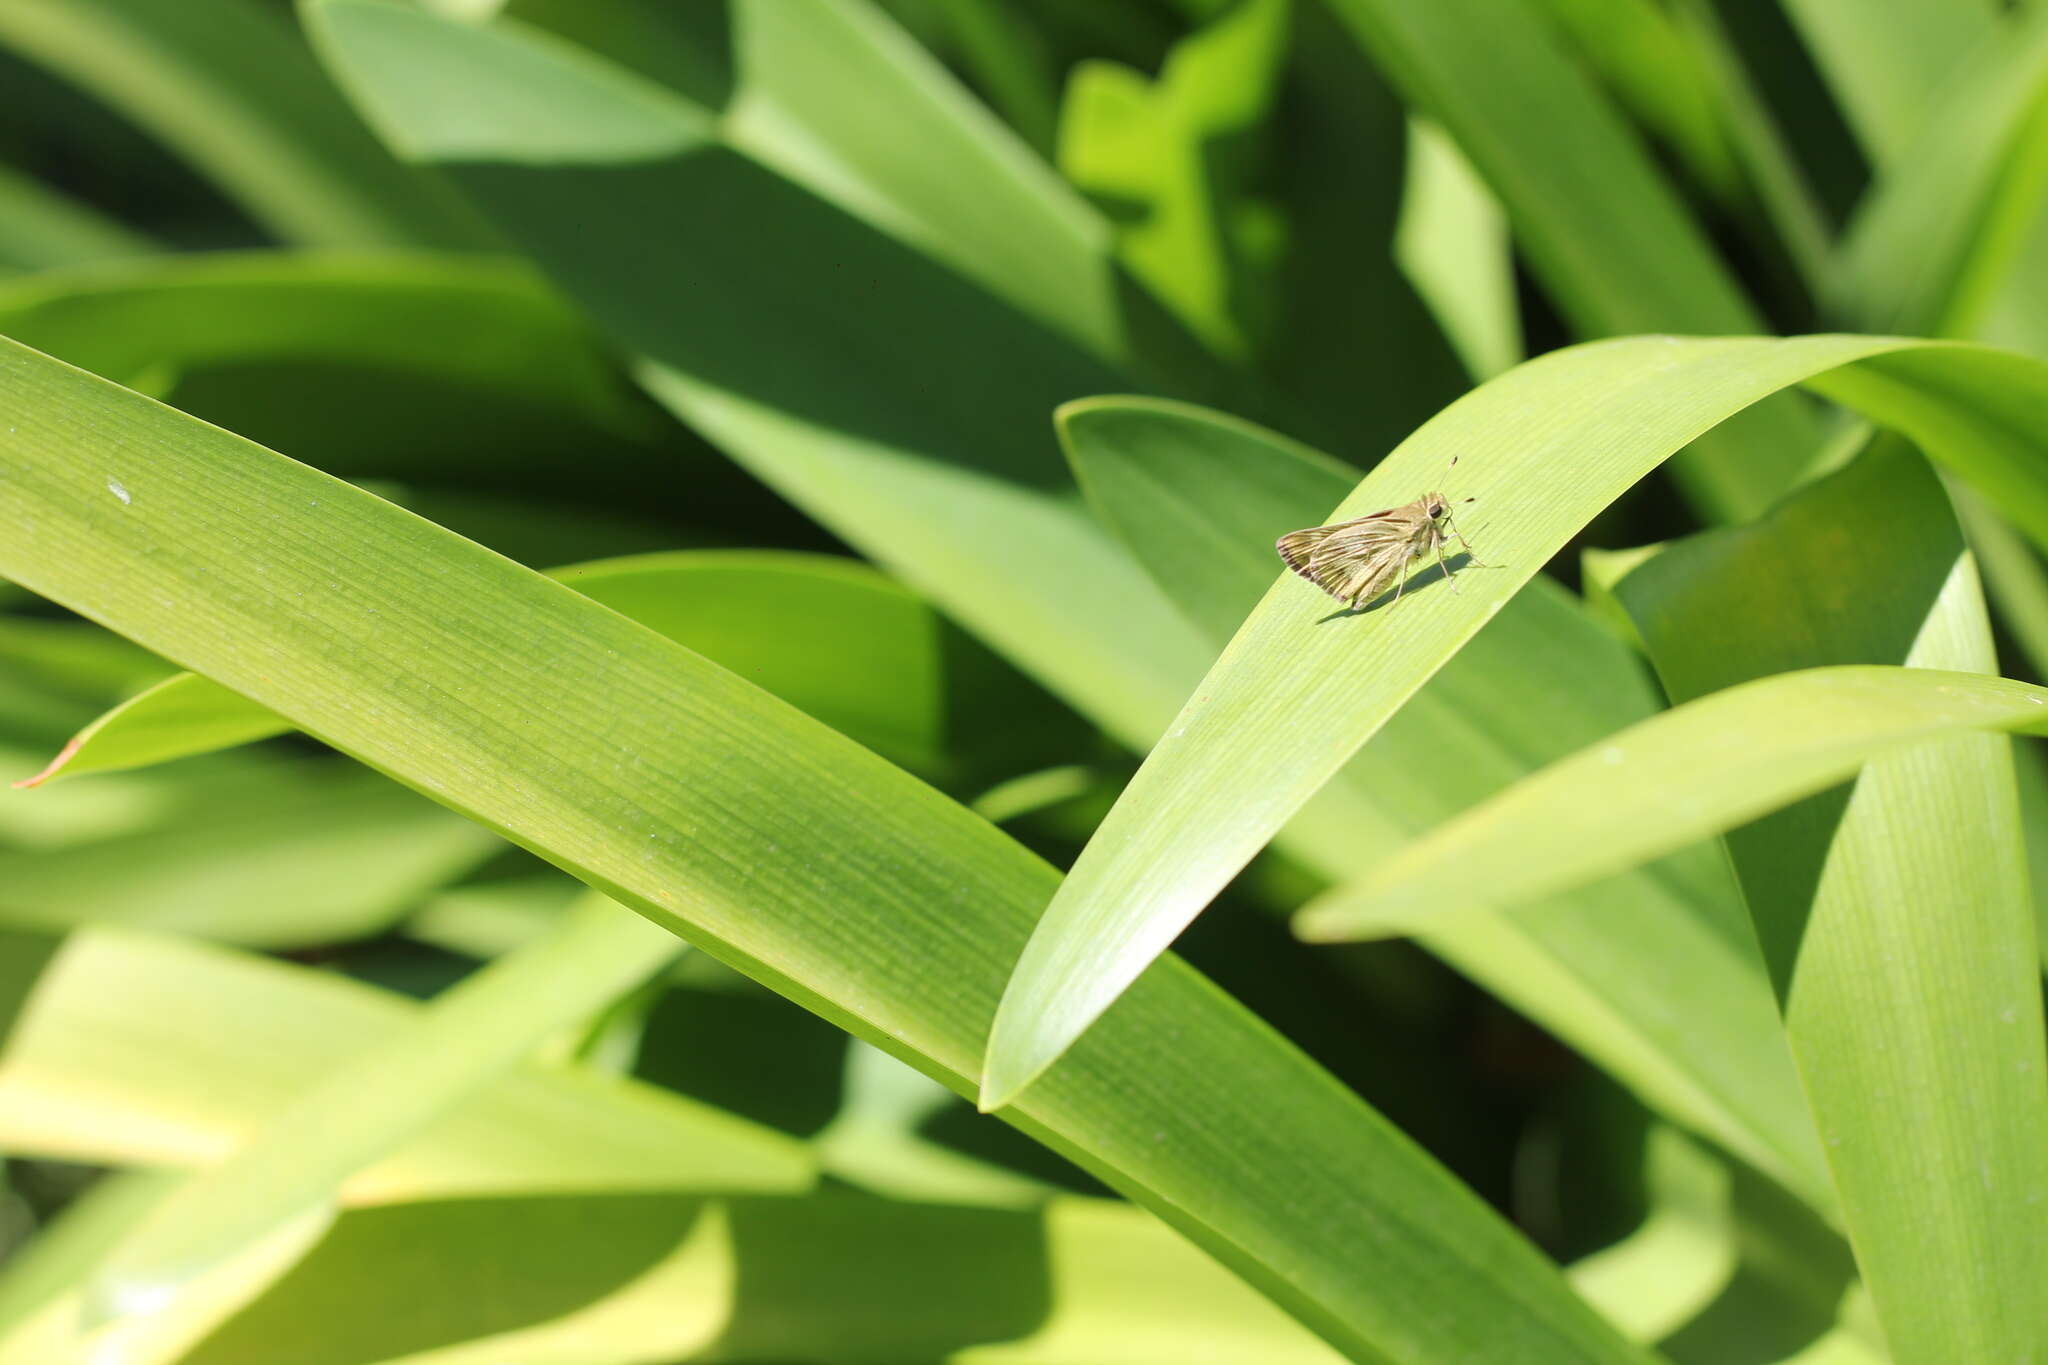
[[1453, 244], [228, 84], [1601, 228], [828, 635], [484, 325], [929, 454], [1891, 62], [1653, 974], [1895, 916], [779, 847], [1303, 685], [830, 92], [469, 1036], [89, 1074], [1928, 244], [674, 1276], [1930, 1203], [282, 854], [1768, 742]]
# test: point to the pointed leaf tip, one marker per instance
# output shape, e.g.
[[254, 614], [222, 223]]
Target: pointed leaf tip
[[1006, 1066], [1006, 1075], [55, 765]]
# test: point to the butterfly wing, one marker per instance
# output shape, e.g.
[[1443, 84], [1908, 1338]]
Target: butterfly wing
[[1352, 560], [1298, 547]]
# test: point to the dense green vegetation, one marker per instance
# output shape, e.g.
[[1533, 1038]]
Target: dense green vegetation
[[615, 615]]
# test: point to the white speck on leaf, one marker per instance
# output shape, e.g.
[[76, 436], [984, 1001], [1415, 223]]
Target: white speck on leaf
[[1611, 754], [114, 487]]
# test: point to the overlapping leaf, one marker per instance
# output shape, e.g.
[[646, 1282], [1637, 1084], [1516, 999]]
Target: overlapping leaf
[[777, 846], [1304, 684]]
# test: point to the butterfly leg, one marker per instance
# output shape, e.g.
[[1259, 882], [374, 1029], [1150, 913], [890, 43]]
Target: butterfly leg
[[1476, 560], [1443, 564]]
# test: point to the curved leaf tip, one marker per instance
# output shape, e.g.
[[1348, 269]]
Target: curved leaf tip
[[51, 769]]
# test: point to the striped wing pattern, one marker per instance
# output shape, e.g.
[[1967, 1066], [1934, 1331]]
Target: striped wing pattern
[[1357, 560]]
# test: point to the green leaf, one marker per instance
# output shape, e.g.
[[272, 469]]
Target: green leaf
[[826, 634], [64, 1252], [1453, 243], [1675, 70], [483, 919], [1305, 683], [1009, 60], [563, 116], [1653, 974], [41, 228], [183, 715], [1929, 244], [932, 460], [1601, 229], [481, 324], [1801, 733], [1901, 932], [91, 1074], [1159, 152], [1681, 1256], [469, 1036], [274, 854], [1777, 182], [232, 89], [75, 660], [1928, 1204], [1891, 63], [1643, 55], [931, 457], [2013, 576], [1346, 345], [501, 388], [1793, 1297], [2015, 314], [832, 1276], [843, 643], [770, 842], [830, 94], [2031, 768]]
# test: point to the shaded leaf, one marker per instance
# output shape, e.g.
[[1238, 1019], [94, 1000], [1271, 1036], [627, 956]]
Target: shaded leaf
[[461, 1042], [775, 845], [1305, 683], [228, 85]]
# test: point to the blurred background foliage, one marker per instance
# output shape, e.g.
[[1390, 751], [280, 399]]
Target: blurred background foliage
[[748, 320]]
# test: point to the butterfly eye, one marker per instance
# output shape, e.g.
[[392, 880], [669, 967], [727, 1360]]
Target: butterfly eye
[[1436, 509]]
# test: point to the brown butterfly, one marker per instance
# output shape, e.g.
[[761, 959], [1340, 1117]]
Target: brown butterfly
[[1354, 560]]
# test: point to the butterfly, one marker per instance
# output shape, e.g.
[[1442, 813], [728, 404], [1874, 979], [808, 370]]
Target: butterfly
[[1355, 560]]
